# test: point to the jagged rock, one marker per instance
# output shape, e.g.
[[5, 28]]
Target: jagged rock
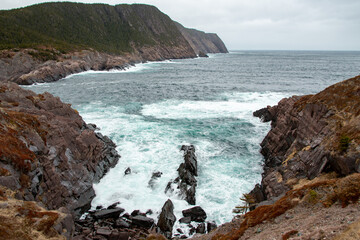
[[153, 179], [142, 221], [127, 171], [186, 182], [200, 228], [167, 218], [197, 214], [63, 157], [210, 226], [306, 135], [113, 206], [108, 213], [264, 114]]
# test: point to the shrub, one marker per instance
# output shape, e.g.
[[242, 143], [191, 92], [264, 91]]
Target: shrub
[[344, 143]]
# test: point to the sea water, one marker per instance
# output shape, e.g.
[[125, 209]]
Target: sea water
[[152, 109]]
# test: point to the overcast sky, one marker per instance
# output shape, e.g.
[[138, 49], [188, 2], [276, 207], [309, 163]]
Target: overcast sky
[[260, 24]]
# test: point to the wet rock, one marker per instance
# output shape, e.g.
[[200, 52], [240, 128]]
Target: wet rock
[[186, 182], [264, 114], [210, 226], [153, 179], [203, 55], [197, 214], [185, 220], [113, 206], [108, 213], [127, 171], [167, 218], [200, 228], [143, 221]]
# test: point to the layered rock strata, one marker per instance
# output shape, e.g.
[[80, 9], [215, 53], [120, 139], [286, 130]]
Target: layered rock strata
[[48, 153], [311, 135]]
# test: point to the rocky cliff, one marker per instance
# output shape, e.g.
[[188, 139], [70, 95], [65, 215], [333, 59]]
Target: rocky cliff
[[46, 42], [203, 42], [48, 154], [311, 135], [310, 187]]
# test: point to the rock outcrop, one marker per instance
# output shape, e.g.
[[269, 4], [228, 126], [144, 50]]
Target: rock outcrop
[[311, 135], [186, 182], [48, 153], [167, 219]]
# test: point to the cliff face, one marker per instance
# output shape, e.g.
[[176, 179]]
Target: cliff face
[[47, 152], [46, 42], [311, 135], [203, 42], [311, 172]]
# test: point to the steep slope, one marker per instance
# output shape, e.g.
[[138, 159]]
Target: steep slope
[[47, 152], [311, 182], [46, 42], [203, 42], [312, 134]]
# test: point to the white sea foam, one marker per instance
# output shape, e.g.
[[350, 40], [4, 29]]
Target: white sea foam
[[237, 105], [149, 146]]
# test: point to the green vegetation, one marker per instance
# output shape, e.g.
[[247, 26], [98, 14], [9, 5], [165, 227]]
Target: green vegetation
[[72, 26], [344, 143], [248, 203]]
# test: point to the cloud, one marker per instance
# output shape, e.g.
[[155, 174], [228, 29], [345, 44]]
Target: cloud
[[262, 24]]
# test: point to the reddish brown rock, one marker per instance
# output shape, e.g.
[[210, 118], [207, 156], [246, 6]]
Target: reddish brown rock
[[49, 153], [310, 135]]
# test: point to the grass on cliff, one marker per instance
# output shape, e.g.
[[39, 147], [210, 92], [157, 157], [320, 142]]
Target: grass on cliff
[[343, 190], [26, 220], [13, 126], [70, 26]]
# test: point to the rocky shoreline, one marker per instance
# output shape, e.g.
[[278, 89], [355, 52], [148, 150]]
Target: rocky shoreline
[[311, 168]]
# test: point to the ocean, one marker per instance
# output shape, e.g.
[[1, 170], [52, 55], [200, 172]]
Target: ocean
[[152, 109]]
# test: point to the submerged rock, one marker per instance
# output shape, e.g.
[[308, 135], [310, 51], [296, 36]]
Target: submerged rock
[[153, 179]]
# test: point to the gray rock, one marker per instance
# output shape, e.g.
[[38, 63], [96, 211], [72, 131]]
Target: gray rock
[[108, 213], [197, 214], [142, 221], [167, 218]]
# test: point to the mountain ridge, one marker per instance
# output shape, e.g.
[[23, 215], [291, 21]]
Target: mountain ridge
[[53, 40]]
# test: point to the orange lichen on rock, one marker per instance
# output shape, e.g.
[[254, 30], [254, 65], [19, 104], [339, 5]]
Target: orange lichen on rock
[[31, 221], [13, 148]]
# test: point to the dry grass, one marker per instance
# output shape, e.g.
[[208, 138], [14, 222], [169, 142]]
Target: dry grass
[[345, 190], [26, 220]]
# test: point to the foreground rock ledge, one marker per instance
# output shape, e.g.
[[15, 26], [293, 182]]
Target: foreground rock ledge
[[47, 152]]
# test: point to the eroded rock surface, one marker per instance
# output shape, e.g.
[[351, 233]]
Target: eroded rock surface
[[310, 135], [48, 153]]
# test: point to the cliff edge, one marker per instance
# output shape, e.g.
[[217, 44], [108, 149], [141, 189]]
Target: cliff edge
[[48, 154], [310, 187]]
